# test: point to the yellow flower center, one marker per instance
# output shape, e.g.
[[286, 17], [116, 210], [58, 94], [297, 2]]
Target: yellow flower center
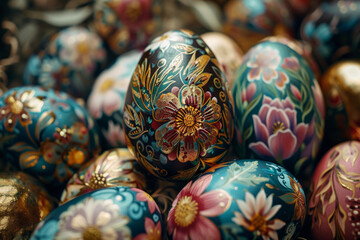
[[258, 223], [76, 157], [97, 181], [278, 126], [92, 233], [186, 211], [82, 47], [106, 85], [188, 120], [15, 105], [164, 37]]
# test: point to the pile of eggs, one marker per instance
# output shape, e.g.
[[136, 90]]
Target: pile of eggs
[[187, 136]]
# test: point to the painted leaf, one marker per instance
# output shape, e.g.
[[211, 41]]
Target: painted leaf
[[134, 121], [45, 120]]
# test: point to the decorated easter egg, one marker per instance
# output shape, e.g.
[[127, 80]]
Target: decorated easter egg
[[106, 100], [341, 87], [110, 213], [46, 134], [178, 116], [127, 24], [24, 203], [70, 62], [278, 108], [334, 203], [242, 199], [249, 21], [226, 51], [331, 39], [115, 167]]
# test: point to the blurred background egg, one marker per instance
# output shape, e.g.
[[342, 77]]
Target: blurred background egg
[[115, 167], [109, 213], [242, 198], [127, 25], [107, 98], [70, 62], [341, 87], [24, 203], [334, 202], [46, 134], [249, 21], [279, 108], [226, 51], [178, 116], [333, 30]]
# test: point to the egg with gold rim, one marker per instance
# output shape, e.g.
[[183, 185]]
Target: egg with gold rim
[[178, 116]]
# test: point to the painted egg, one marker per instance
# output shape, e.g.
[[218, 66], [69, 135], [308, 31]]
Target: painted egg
[[227, 52], [127, 24], [70, 62], [106, 100], [249, 21], [109, 213], [116, 167], [333, 30], [178, 116], [333, 206], [46, 134], [243, 199], [277, 104], [24, 203], [341, 86]]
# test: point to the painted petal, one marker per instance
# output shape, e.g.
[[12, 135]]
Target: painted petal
[[167, 138], [240, 220], [250, 202], [291, 63], [287, 103], [188, 150], [191, 96], [243, 206], [261, 132], [273, 235], [111, 103], [24, 118], [94, 105], [208, 135], [272, 212], [167, 107], [6, 110], [261, 149], [269, 74], [268, 204], [276, 103], [260, 201], [250, 91], [267, 100], [141, 236], [276, 116], [211, 111], [171, 220], [295, 91], [281, 80], [254, 74], [300, 132], [291, 114], [204, 228], [276, 224], [214, 203], [282, 144], [149, 224], [263, 112], [10, 122], [199, 186]]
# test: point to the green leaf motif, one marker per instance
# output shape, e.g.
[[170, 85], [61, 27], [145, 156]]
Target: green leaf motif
[[244, 174]]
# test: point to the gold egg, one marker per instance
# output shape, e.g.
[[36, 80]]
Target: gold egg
[[341, 87], [23, 204]]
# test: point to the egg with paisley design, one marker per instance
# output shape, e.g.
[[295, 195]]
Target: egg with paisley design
[[242, 199], [109, 213], [46, 134], [178, 116], [279, 107]]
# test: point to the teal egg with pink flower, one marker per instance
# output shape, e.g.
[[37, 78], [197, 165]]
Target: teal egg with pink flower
[[279, 108], [241, 199], [46, 134], [110, 213], [178, 116]]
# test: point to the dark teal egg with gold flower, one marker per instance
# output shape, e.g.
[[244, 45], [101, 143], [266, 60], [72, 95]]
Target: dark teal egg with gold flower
[[46, 133], [178, 117]]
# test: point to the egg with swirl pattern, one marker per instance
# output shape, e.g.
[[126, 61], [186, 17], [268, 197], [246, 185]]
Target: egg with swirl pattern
[[178, 117]]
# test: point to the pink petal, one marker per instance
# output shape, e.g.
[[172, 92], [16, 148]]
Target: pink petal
[[141, 236], [167, 107], [250, 91], [281, 80], [267, 100], [188, 150], [319, 98], [191, 96], [171, 220], [243, 206], [261, 149], [199, 186], [260, 200], [287, 103], [254, 74], [275, 116], [300, 132], [273, 235], [272, 212], [291, 114], [295, 91], [180, 234], [149, 224], [251, 202], [282, 144], [263, 112], [203, 228], [240, 220], [277, 103], [261, 132], [276, 224], [214, 203], [269, 74]]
